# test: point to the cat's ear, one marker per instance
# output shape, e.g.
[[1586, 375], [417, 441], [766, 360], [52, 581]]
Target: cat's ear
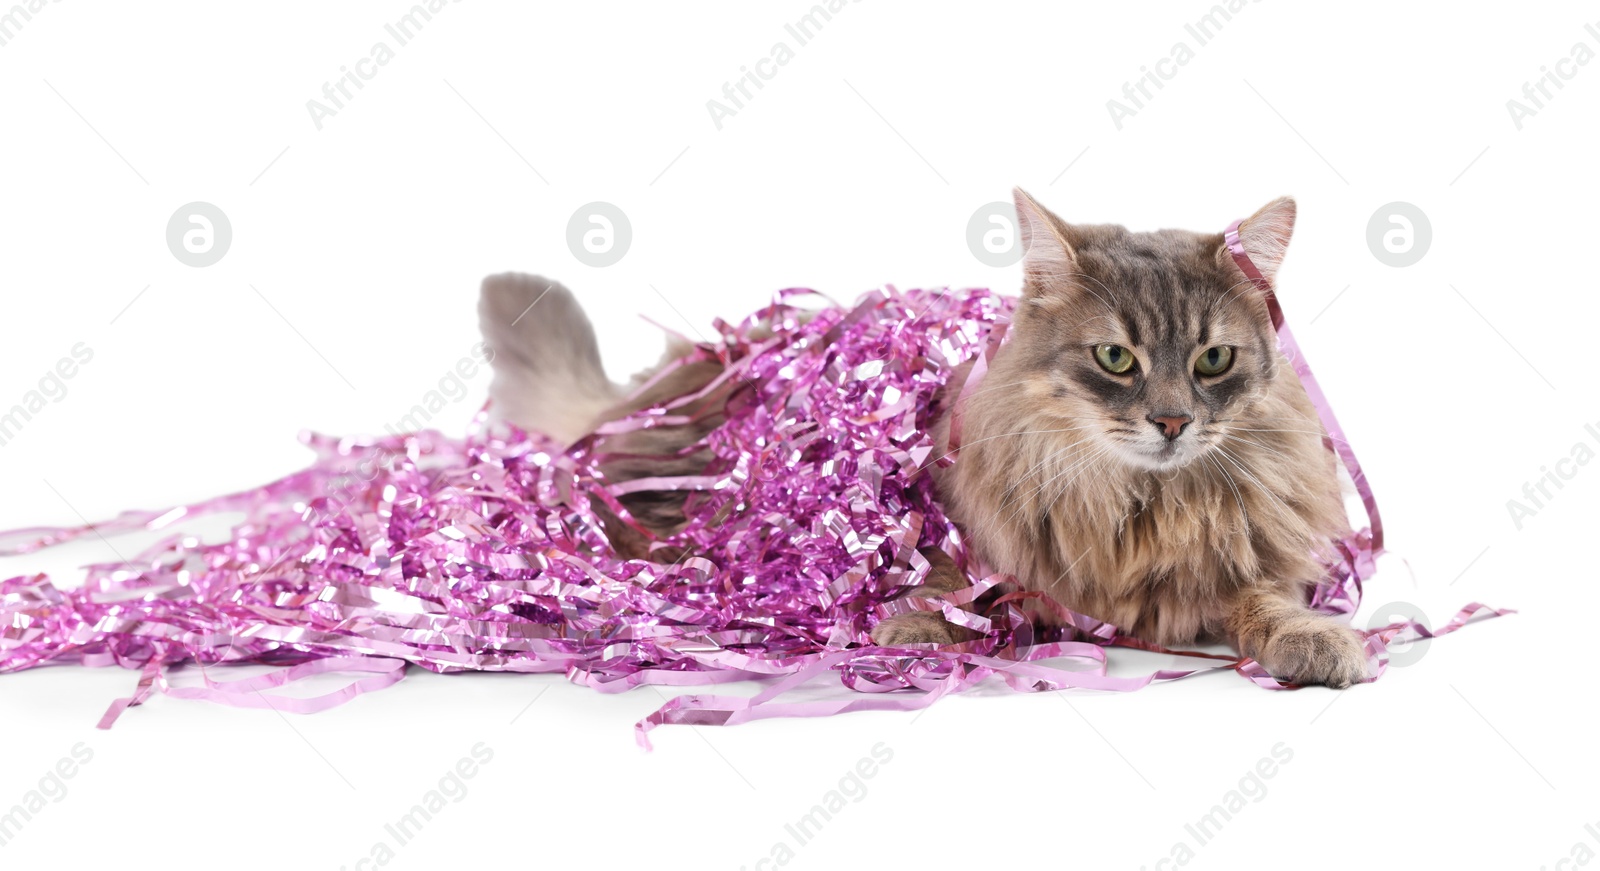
[[1047, 257], [1265, 235]]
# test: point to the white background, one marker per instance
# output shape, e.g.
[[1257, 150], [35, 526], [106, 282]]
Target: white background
[[858, 164]]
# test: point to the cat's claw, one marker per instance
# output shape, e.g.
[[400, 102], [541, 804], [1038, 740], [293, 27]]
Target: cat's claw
[[1326, 653]]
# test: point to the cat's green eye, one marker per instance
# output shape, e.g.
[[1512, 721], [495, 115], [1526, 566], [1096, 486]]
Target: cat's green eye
[[1114, 358], [1214, 361]]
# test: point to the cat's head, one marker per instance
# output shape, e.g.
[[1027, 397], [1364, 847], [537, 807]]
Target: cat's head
[[1153, 344]]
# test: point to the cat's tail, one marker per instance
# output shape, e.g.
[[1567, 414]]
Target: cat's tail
[[547, 372]]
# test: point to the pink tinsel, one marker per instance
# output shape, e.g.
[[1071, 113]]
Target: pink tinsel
[[484, 553]]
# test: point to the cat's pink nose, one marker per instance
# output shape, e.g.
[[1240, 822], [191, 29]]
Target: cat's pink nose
[[1171, 426]]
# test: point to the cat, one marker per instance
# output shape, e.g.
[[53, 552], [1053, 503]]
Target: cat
[[1139, 450]]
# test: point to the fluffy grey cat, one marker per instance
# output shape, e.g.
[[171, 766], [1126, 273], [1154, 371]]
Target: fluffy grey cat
[[1140, 450]]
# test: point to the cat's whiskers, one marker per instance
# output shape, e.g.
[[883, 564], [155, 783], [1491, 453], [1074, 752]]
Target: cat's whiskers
[[1097, 468], [1049, 457], [1113, 320], [1025, 478], [1077, 464], [1244, 513], [991, 388], [1078, 273], [1270, 450], [1232, 291], [1086, 552], [1103, 287], [1302, 431], [1307, 420], [1285, 420], [998, 436], [1087, 465], [1260, 485]]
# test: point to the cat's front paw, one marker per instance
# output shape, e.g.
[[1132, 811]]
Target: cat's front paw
[[916, 627], [1316, 652]]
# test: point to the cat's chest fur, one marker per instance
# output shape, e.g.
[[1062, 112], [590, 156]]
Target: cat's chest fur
[[1159, 554]]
